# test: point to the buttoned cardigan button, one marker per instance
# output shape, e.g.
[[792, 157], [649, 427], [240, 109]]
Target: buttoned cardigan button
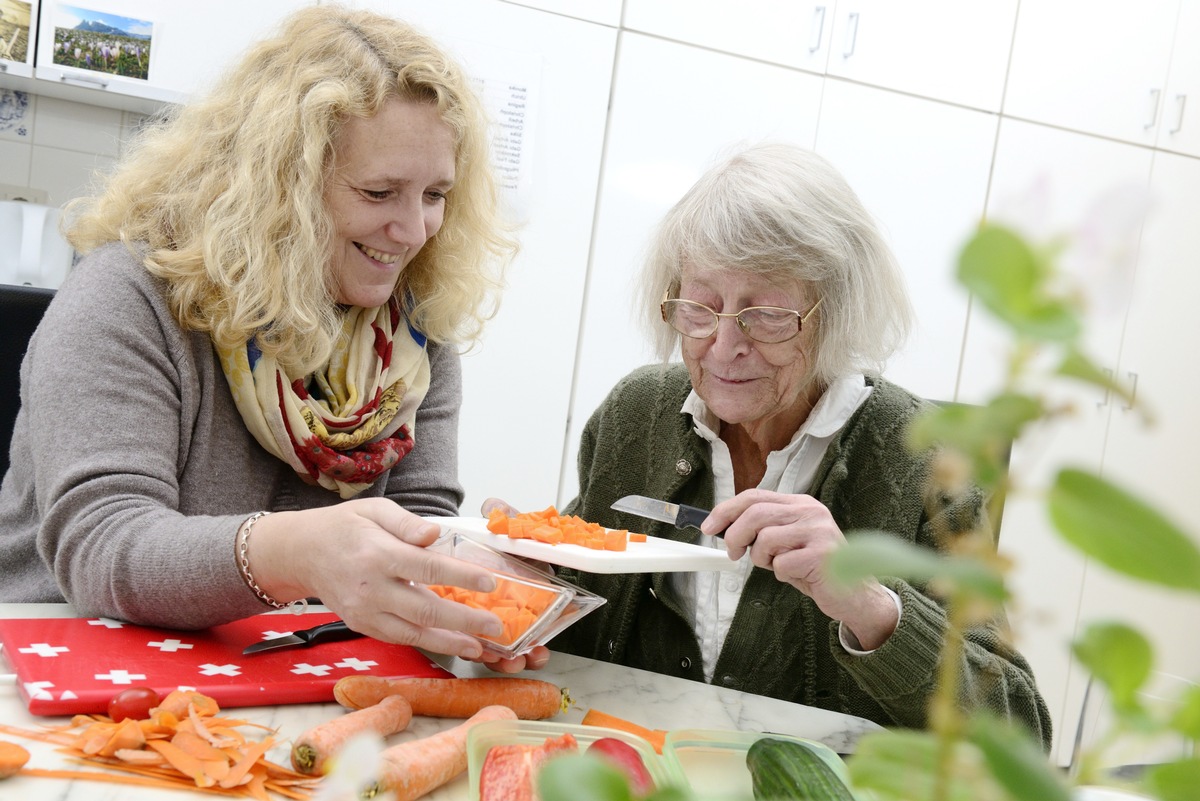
[[685, 663], [683, 467]]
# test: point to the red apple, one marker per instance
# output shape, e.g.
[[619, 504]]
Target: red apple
[[626, 757]]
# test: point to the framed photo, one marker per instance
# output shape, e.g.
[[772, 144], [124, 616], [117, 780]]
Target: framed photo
[[102, 42], [16, 22]]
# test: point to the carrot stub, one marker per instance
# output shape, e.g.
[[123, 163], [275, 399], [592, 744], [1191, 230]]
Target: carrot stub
[[12, 758], [530, 699], [313, 749], [414, 768]]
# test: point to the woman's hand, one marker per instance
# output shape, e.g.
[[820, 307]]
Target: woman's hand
[[368, 561], [534, 660], [793, 536]]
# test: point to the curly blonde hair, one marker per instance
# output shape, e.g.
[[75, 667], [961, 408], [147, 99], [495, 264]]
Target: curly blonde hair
[[226, 199]]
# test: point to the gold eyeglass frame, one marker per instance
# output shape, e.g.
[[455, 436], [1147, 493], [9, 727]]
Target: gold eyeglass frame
[[801, 319]]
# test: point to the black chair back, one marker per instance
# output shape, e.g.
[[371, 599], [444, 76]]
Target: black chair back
[[21, 309]]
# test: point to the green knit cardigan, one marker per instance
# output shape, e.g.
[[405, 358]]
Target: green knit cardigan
[[780, 644]]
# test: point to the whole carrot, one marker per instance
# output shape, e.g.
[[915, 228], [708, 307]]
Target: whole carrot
[[312, 750], [414, 768], [530, 699]]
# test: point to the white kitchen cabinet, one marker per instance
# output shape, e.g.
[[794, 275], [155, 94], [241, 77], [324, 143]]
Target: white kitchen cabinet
[[794, 34], [1157, 459], [1179, 129], [18, 37], [924, 176], [951, 50], [1098, 66], [676, 110], [189, 45], [1047, 182]]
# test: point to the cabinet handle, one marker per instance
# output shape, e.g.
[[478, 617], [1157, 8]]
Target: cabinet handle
[[851, 33], [1180, 102], [1100, 404], [3, 67], [86, 79], [817, 30], [1155, 94], [1132, 392]]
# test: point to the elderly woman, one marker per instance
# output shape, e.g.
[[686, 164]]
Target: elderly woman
[[785, 301], [247, 391]]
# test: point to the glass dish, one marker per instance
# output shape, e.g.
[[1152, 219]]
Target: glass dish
[[483, 736], [534, 604], [713, 761]]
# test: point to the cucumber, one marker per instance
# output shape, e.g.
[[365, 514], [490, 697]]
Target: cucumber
[[782, 770]]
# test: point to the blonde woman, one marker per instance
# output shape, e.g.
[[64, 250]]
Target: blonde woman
[[247, 391]]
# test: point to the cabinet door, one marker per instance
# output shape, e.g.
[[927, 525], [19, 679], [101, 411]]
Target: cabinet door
[[921, 168], [1048, 180], [676, 109], [952, 50], [1180, 127], [182, 46], [795, 34], [18, 35], [1093, 65], [1156, 459]]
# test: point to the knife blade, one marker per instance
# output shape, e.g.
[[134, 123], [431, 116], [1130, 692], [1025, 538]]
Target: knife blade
[[677, 514], [326, 632]]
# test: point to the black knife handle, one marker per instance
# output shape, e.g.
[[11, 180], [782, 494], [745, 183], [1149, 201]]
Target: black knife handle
[[328, 632], [692, 516]]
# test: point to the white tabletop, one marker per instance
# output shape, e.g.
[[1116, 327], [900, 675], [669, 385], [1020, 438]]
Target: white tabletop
[[650, 699]]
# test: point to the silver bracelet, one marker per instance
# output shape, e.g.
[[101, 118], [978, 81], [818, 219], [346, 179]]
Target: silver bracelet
[[243, 561]]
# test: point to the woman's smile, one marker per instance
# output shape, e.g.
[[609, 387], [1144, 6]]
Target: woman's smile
[[378, 255]]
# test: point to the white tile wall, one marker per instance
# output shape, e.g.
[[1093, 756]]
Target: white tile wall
[[58, 145]]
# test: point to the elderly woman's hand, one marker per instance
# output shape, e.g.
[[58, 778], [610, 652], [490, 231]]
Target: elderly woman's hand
[[792, 536], [368, 561]]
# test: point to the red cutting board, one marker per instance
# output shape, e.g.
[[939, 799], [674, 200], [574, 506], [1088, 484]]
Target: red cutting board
[[69, 666]]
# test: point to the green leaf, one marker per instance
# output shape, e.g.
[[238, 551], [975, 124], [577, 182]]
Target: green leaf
[[1115, 528], [901, 765], [1078, 366], [868, 554], [984, 433], [581, 778], [1174, 781], [1016, 760], [1187, 716], [1010, 279], [1120, 657]]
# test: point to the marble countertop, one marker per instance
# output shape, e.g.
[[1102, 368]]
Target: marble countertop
[[653, 700]]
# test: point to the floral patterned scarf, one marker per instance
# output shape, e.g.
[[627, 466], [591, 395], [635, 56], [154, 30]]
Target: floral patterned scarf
[[346, 424]]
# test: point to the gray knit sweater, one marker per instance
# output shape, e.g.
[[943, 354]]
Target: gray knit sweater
[[780, 644], [131, 468]]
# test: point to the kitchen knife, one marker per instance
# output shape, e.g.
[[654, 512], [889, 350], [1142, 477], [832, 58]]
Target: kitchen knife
[[678, 515], [326, 632]]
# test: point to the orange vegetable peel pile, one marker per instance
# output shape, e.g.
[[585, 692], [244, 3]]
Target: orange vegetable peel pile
[[184, 743]]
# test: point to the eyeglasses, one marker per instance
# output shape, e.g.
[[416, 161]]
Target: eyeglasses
[[769, 325]]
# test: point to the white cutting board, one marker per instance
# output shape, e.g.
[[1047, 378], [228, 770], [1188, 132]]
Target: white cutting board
[[655, 555]]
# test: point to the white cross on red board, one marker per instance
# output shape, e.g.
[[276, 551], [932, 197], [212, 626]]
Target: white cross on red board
[[44, 649]]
